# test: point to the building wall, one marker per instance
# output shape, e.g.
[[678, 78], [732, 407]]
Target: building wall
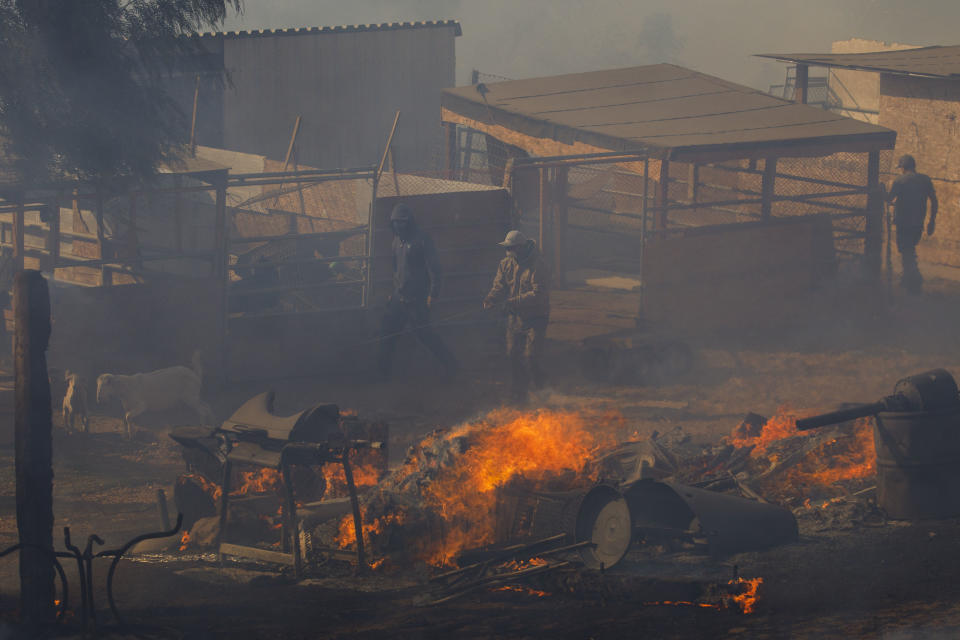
[[857, 93], [346, 86], [925, 113]]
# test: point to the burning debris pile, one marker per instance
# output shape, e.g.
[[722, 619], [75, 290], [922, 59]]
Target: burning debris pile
[[446, 497]]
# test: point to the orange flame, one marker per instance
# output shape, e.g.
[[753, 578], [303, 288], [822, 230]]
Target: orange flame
[[521, 589], [682, 603], [265, 480], [210, 488], [836, 460], [184, 540], [506, 445], [364, 475], [747, 601]]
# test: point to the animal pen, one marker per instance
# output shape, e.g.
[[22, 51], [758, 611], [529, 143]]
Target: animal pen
[[722, 201], [272, 273]]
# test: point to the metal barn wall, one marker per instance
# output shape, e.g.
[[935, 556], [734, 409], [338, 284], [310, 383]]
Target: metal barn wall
[[345, 85]]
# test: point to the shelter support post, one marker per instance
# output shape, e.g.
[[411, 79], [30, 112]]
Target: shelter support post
[[33, 437], [450, 160], [542, 210], [663, 196], [693, 182], [873, 231], [768, 187], [803, 83], [19, 229], [106, 276], [53, 238], [220, 272], [560, 227]]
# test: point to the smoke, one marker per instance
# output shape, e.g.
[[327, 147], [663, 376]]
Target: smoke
[[547, 37]]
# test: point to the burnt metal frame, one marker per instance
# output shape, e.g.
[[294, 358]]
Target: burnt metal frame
[[298, 453]]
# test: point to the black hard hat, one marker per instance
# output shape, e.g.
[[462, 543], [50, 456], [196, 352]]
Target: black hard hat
[[906, 161], [401, 212]]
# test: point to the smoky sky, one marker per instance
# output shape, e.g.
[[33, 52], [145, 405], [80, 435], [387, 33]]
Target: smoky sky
[[529, 38]]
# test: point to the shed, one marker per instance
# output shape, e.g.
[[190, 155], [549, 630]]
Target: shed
[[344, 82], [918, 96], [733, 188]]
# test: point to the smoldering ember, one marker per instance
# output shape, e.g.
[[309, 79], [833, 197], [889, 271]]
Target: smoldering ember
[[316, 332]]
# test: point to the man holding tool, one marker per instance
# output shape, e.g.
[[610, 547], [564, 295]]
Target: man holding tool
[[416, 284], [910, 193], [522, 286]]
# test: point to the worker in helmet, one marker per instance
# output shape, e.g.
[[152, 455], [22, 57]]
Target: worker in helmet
[[416, 284], [522, 287], [909, 193]]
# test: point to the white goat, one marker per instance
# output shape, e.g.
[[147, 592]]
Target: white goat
[[75, 403], [155, 391]]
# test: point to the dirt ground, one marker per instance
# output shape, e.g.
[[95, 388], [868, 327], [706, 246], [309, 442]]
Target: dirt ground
[[891, 581]]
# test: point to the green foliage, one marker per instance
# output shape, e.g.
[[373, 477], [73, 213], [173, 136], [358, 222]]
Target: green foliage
[[81, 89]]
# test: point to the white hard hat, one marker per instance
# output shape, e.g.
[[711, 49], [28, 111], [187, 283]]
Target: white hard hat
[[514, 239]]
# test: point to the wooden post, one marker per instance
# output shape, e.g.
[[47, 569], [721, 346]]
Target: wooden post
[[663, 195], [34, 449], [693, 183], [193, 118], [768, 187], [451, 151], [106, 276], [803, 83], [132, 243], [221, 250], [19, 229], [560, 228], [542, 211], [873, 232], [53, 238]]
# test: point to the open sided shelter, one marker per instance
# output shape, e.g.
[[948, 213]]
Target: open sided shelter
[[712, 191], [916, 92]]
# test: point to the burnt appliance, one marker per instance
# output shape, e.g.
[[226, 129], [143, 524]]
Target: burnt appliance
[[296, 447]]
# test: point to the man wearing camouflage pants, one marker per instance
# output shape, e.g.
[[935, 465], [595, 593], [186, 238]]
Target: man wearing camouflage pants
[[522, 286]]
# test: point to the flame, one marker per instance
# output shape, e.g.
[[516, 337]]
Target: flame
[[184, 540], [847, 458], [210, 488], [747, 600], [265, 480], [505, 446], [521, 589], [364, 475], [682, 603]]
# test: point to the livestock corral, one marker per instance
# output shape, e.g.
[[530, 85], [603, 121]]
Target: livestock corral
[[229, 461]]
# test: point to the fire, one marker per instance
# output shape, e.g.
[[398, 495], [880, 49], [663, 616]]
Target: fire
[[836, 460], [521, 589], [364, 475], [184, 540], [540, 448], [747, 601], [265, 480], [683, 603], [210, 488]]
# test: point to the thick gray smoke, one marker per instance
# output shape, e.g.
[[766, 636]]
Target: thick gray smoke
[[526, 38]]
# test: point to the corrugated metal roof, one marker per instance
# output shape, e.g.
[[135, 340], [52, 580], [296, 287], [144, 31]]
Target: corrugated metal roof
[[928, 62], [347, 28], [669, 109]]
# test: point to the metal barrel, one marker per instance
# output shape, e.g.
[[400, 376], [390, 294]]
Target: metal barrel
[[918, 463], [836, 417]]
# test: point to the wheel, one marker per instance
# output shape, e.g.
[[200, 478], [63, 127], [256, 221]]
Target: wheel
[[604, 519]]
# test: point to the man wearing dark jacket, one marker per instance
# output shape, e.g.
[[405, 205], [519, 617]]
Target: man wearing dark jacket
[[910, 192], [522, 285], [416, 284]]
